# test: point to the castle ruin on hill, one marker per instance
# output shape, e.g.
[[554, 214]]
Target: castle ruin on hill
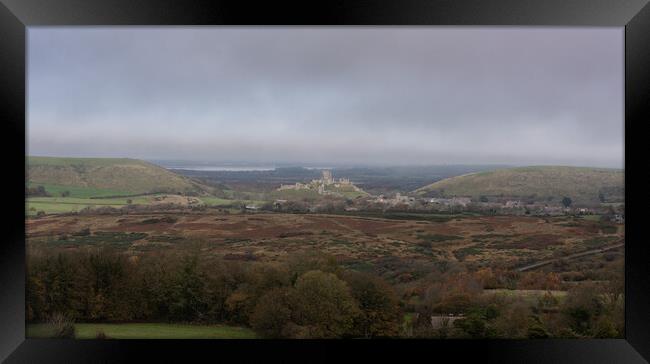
[[324, 185]]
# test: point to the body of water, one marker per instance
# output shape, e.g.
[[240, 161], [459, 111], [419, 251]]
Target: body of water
[[213, 166], [232, 167]]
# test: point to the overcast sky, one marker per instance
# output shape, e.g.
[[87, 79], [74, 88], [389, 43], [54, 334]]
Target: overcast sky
[[355, 95]]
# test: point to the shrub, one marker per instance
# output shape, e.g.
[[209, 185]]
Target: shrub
[[38, 191], [437, 238], [605, 329], [474, 325], [380, 313], [537, 332], [424, 244], [454, 303], [272, 313], [82, 232], [324, 305], [153, 220], [63, 326], [581, 307]]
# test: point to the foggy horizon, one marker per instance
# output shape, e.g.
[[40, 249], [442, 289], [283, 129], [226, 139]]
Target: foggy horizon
[[376, 96], [169, 163]]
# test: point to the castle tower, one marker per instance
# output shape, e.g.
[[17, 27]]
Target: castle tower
[[327, 176]]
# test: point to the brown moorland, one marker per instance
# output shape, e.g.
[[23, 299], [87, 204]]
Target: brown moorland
[[509, 241]]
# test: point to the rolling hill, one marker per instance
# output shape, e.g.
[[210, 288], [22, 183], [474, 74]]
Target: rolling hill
[[548, 183], [108, 176]]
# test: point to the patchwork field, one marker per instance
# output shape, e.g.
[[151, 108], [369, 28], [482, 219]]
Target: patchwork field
[[85, 199]]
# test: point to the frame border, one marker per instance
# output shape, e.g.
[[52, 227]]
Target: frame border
[[634, 15]]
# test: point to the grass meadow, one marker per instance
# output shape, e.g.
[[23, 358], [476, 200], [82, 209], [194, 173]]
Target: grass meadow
[[146, 331]]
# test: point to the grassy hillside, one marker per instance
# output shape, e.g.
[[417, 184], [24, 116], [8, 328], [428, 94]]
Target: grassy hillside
[[581, 184], [107, 176]]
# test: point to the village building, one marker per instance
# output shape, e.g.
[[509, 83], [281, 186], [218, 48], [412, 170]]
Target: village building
[[553, 210], [400, 198], [440, 321], [513, 204], [460, 201], [454, 201], [619, 218]]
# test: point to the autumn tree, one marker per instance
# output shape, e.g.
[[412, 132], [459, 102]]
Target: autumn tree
[[272, 314], [188, 294], [581, 309], [380, 313], [324, 305]]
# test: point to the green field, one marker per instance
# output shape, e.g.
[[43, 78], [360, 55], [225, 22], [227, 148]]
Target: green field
[[78, 199], [57, 205], [81, 192], [64, 161], [32, 208], [91, 201], [147, 331], [216, 201], [75, 203]]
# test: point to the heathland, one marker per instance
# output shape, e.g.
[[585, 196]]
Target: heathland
[[233, 256]]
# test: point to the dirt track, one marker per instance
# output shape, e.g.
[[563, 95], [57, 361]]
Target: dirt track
[[573, 256]]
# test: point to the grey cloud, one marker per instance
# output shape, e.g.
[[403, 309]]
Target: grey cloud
[[400, 95]]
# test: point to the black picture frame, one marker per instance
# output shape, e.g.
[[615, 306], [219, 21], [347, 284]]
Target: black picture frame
[[634, 15]]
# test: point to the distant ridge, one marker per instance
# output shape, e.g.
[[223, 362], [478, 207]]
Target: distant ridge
[[122, 174], [582, 184]]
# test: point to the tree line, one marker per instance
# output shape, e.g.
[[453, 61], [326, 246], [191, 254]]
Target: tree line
[[309, 295]]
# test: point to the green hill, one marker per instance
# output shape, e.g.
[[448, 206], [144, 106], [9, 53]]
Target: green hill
[[107, 176], [540, 183]]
